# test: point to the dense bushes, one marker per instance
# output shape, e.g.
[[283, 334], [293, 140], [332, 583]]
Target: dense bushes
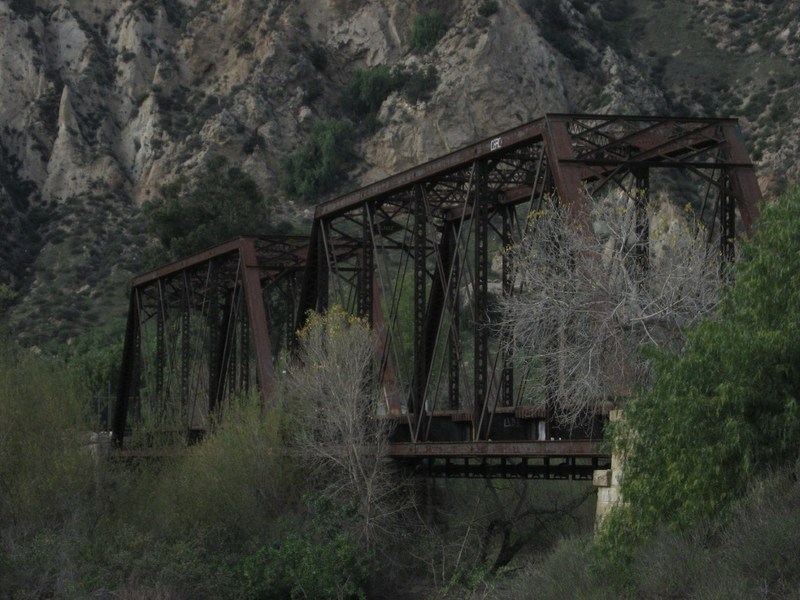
[[46, 471], [314, 169], [726, 408], [322, 561], [723, 410], [427, 30], [368, 88], [488, 7], [750, 554], [220, 204], [319, 166]]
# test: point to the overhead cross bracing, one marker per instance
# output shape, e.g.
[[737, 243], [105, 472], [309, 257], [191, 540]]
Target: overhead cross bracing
[[422, 255]]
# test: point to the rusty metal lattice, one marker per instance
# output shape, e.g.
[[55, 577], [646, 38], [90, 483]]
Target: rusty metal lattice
[[420, 254]]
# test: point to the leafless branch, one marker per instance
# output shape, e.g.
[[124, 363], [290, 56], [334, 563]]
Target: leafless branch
[[591, 302]]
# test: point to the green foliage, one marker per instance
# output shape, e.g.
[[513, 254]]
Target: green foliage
[[529, 6], [555, 27], [316, 168], [366, 91], [750, 554], [23, 8], [7, 297], [488, 8], [726, 407], [368, 88], [94, 356], [416, 84], [233, 485], [615, 10], [46, 472], [45, 465], [222, 203], [322, 561], [318, 57], [427, 30]]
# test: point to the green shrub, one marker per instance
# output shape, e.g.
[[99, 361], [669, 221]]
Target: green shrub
[[25, 9], [416, 84], [368, 88], [222, 203], [726, 407], [320, 561], [529, 6], [428, 29], [244, 47], [7, 297], [316, 168], [488, 7], [318, 57], [45, 465], [615, 10], [47, 474], [555, 27], [366, 91], [233, 485]]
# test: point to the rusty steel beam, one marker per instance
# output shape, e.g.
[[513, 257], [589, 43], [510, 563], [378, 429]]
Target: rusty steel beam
[[415, 254], [530, 132], [477, 190], [497, 449], [745, 185], [265, 372]]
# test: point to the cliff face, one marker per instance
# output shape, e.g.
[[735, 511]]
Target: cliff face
[[102, 102]]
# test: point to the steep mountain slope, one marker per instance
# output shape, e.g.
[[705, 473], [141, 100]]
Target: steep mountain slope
[[102, 102]]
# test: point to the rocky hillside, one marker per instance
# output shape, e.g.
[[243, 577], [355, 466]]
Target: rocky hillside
[[103, 102]]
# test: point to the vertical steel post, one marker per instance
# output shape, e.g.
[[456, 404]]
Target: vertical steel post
[[254, 301], [480, 220], [226, 334], [233, 350], [727, 218], [186, 348], [454, 339], [420, 276], [508, 369], [244, 350], [214, 328], [160, 345], [366, 268], [742, 177], [314, 290]]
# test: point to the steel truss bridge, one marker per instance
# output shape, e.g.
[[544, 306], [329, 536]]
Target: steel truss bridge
[[420, 256]]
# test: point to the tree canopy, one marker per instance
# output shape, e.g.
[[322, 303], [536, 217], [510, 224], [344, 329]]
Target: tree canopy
[[725, 408], [316, 168], [222, 203]]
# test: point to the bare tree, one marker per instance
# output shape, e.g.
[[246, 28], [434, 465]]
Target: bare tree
[[484, 526], [338, 431], [592, 300]]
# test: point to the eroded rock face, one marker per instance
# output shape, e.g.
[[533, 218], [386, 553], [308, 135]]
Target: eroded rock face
[[146, 89], [102, 102]]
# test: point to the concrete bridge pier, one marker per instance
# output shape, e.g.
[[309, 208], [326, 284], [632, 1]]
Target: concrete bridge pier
[[607, 481]]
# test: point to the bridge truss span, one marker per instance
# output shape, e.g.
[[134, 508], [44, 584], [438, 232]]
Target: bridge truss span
[[422, 255]]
